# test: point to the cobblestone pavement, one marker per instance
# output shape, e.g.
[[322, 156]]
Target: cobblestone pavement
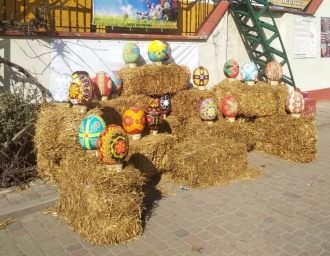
[[284, 212]]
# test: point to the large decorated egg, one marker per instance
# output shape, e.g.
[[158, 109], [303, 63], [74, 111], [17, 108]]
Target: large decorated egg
[[208, 110], [201, 77], [117, 85], [157, 51], [60, 88], [131, 54], [165, 104], [112, 145], [102, 84], [134, 121], [249, 71], [231, 68], [168, 51], [274, 71], [154, 117], [295, 103], [90, 130], [81, 89], [229, 107]]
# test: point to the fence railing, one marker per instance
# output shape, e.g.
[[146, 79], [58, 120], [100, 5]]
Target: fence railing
[[77, 16]]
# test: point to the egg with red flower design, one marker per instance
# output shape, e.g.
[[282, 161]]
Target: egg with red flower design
[[154, 116]]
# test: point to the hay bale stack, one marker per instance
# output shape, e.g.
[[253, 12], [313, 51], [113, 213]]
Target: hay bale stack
[[287, 137], [151, 153], [103, 206], [261, 99], [209, 161], [185, 104], [172, 125], [237, 131], [56, 135], [153, 80]]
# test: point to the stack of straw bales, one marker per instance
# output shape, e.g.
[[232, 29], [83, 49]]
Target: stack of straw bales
[[105, 207]]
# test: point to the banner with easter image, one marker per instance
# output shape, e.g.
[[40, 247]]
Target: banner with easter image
[[149, 14]]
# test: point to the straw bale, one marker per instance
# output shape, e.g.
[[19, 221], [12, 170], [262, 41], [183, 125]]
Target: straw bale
[[153, 80], [172, 125], [103, 206], [56, 135], [261, 99], [209, 161], [185, 104], [114, 109], [287, 137], [151, 153], [238, 131]]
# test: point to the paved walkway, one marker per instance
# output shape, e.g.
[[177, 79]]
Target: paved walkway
[[285, 212]]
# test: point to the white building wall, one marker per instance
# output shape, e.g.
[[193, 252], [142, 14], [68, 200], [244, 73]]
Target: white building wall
[[224, 43]]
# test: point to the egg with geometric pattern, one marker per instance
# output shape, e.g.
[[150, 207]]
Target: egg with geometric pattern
[[295, 103], [134, 121], [208, 110], [274, 72], [229, 108], [81, 88], [231, 68], [201, 77], [90, 130], [102, 84]]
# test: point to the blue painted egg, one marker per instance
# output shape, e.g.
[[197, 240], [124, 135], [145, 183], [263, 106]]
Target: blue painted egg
[[249, 71], [117, 85], [60, 88], [157, 51], [90, 130]]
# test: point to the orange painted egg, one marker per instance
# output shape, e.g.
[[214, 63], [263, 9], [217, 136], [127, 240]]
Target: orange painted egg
[[134, 120], [274, 71]]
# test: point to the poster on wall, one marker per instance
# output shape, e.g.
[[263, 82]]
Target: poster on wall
[[304, 37], [148, 14], [301, 4], [325, 37]]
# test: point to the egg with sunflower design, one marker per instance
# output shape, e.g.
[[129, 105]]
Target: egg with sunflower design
[[131, 54], [81, 89], [201, 77], [231, 68], [117, 84], [112, 145], [90, 130], [154, 117], [229, 108], [157, 51], [134, 121], [208, 110]]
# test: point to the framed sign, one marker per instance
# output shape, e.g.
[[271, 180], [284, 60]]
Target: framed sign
[[152, 14], [297, 4]]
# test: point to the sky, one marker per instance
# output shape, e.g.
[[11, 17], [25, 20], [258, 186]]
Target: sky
[[120, 7]]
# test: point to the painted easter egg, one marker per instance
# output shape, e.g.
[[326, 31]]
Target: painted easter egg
[[168, 51], [165, 103], [112, 145], [134, 120], [117, 85], [201, 76], [208, 110], [229, 106], [231, 68], [131, 53], [60, 88], [249, 71], [157, 51], [102, 84], [274, 71], [295, 103], [81, 89], [90, 130], [154, 116]]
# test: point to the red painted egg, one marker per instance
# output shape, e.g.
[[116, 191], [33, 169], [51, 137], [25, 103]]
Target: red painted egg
[[229, 106], [102, 84]]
